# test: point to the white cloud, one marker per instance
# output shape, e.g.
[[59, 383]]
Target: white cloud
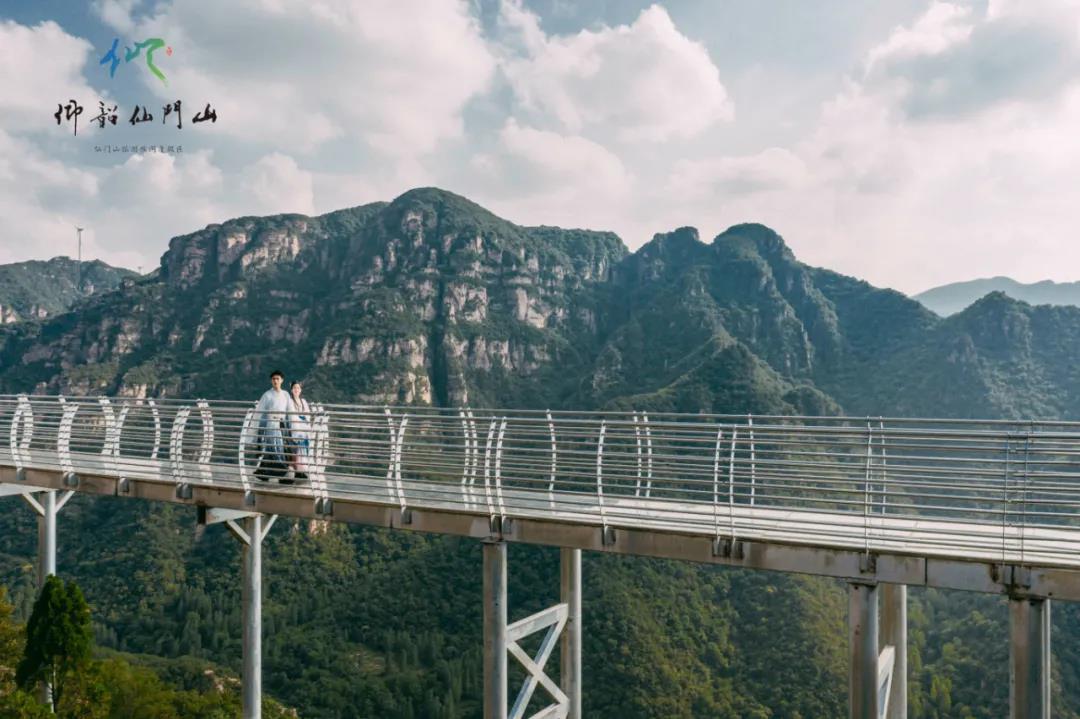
[[942, 26], [34, 193], [950, 62], [393, 74], [560, 164], [919, 175], [542, 177], [130, 210], [116, 13], [42, 66], [772, 169], [275, 184], [640, 82]]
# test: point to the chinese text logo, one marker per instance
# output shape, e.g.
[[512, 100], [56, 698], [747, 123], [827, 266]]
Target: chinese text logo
[[112, 57]]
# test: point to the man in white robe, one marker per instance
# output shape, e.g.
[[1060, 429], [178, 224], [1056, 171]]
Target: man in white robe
[[272, 412]]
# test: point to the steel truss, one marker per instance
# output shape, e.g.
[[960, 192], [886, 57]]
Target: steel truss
[[560, 623]]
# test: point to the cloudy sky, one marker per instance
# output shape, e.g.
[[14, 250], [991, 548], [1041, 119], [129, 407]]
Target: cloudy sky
[[909, 143]]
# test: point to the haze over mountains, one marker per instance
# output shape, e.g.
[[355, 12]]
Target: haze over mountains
[[951, 298], [432, 299]]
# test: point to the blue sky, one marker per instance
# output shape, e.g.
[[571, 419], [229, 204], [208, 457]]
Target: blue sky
[[909, 143]]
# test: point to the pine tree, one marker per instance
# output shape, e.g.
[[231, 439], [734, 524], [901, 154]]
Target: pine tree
[[58, 638]]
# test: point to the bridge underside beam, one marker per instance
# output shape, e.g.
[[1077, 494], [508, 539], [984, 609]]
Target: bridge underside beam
[[1029, 658], [988, 575]]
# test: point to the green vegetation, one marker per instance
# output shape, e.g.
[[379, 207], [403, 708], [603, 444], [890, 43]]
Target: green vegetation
[[36, 289], [56, 646], [57, 640]]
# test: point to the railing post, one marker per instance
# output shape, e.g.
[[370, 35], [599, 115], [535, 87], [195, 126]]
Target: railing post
[[894, 634], [863, 651], [252, 599], [495, 620], [570, 595], [1029, 658]]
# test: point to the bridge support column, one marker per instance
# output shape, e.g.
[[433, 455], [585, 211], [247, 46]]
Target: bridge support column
[[252, 599], [1029, 658], [251, 536], [559, 624], [863, 651], [45, 504], [894, 634], [46, 538], [46, 559], [495, 622], [570, 595]]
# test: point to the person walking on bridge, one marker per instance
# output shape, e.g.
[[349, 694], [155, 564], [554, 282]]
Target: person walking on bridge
[[272, 411], [300, 434]]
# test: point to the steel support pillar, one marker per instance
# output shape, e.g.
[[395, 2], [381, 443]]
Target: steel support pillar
[[495, 621], [45, 506], [1029, 658], [252, 597], [251, 536], [894, 634], [570, 595], [46, 537], [863, 651]]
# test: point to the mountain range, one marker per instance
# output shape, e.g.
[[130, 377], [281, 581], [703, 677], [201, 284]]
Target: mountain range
[[40, 288], [951, 298], [432, 299]]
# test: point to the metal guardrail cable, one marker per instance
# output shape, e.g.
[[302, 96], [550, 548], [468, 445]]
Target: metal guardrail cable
[[716, 481], [554, 460], [1005, 500], [637, 444], [866, 485], [390, 461], [731, 482], [753, 463], [1023, 506], [600, 473]]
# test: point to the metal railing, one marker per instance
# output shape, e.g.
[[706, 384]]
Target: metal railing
[[959, 488]]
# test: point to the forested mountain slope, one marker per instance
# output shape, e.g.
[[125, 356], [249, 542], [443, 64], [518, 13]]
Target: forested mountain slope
[[40, 288]]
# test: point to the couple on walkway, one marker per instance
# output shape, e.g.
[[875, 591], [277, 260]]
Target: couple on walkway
[[285, 434]]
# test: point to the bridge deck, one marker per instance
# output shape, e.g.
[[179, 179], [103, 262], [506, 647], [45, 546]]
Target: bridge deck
[[905, 549]]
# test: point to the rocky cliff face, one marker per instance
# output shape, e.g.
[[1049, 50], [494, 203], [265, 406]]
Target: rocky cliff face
[[432, 299], [426, 299]]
